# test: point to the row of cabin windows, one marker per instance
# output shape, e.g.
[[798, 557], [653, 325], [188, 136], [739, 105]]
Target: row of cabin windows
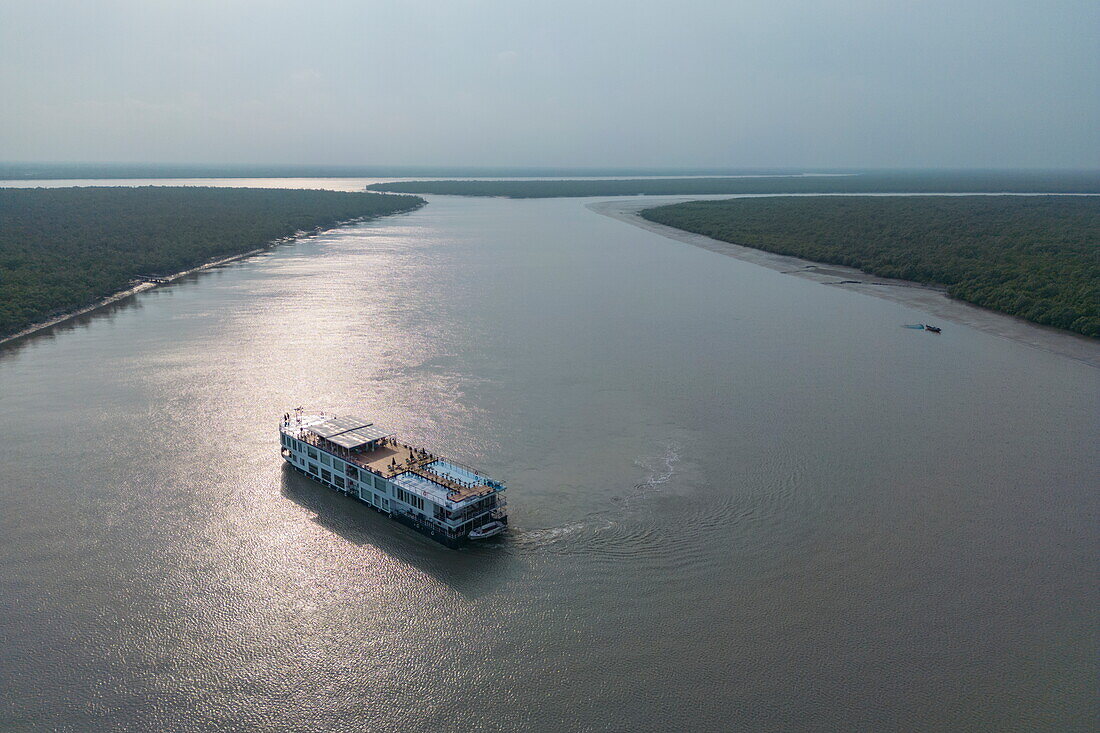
[[369, 480], [410, 499], [482, 505], [351, 471], [377, 482], [366, 496], [325, 459], [375, 500]]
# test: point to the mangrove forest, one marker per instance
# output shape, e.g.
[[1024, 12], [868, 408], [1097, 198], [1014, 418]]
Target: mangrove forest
[[867, 182], [1036, 257], [66, 248]]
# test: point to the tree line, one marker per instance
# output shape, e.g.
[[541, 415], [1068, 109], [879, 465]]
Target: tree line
[[1036, 257], [868, 182], [65, 248]]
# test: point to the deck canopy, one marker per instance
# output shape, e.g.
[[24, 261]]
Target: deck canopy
[[349, 432], [360, 436], [338, 425]]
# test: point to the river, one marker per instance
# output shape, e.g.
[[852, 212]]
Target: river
[[740, 499]]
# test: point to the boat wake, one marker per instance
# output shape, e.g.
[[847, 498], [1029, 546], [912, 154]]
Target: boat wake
[[677, 536], [591, 531], [628, 529], [550, 535], [659, 470]]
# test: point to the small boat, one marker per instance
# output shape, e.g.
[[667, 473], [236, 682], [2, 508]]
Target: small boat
[[485, 531], [933, 329]]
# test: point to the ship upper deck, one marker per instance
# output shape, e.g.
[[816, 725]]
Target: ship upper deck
[[415, 469]]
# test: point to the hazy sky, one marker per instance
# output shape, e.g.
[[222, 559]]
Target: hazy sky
[[558, 83]]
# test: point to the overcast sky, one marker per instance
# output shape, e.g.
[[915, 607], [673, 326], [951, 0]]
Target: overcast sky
[[760, 83]]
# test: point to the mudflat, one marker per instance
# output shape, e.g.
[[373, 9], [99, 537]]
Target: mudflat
[[928, 298]]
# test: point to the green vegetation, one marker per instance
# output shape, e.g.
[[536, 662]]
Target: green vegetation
[[1037, 257], [64, 248], [891, 182]]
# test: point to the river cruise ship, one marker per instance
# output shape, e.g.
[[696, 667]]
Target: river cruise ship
[[438, 497]]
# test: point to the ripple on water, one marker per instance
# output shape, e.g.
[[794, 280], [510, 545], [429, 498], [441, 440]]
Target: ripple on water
[[678, 535]]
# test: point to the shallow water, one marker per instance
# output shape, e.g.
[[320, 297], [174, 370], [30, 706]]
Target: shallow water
[[739, 499]]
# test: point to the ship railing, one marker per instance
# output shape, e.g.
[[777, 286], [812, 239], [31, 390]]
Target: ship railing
[[466, 516], [342, 453], [466, 467], [429, 523], [463, 466]]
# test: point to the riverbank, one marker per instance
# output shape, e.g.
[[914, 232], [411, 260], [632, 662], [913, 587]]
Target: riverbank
[[932, 300], [115, 297], [64, 251], [169, 279]]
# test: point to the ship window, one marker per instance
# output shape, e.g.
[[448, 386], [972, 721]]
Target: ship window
[[351, 471], [325, 460], [325, 475], [340, 481], [410, 499], [313, 468], [379, 483], [312, 453]]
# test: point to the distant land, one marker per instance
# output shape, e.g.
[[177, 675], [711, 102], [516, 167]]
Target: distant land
[[76, 171], [869, 182], [1036, 257], [65, 248]]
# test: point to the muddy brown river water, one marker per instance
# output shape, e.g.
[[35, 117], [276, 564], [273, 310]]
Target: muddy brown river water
[[740, 499]]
